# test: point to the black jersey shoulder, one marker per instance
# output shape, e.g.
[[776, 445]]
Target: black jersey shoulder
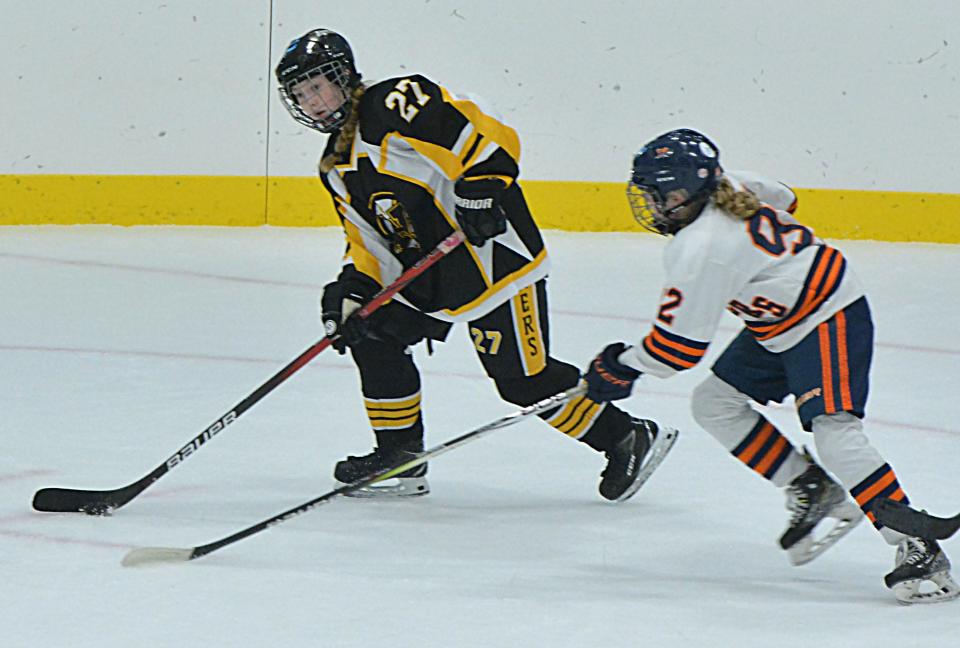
[[412, 106], [328, 148]]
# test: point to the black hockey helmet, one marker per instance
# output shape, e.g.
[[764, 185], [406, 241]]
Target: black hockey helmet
[[318, 53], [682, 161]]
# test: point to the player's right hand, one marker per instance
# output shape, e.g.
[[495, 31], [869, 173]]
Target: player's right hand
[[607, 378]]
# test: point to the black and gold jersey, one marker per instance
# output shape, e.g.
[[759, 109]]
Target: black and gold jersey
[[394, 193]]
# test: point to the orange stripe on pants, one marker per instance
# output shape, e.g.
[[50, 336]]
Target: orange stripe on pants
[[843, 366], [826, 367]]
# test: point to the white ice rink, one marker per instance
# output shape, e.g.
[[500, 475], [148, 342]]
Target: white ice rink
[[120, 345]]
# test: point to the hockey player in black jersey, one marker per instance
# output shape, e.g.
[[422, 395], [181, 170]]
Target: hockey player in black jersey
[[408, 162]]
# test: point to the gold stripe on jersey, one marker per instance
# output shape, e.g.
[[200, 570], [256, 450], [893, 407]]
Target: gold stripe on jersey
[[393, 413], [488, 131], [470, 148], [467, 138], [486, 125], [396, 172], [357, 251], [474, 155], [506, 180], [526, 323], [351, 163], [442, 157], [575, 418], [502, 283]]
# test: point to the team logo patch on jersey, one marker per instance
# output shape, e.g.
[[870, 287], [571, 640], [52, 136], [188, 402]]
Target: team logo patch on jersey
[[393, 222]]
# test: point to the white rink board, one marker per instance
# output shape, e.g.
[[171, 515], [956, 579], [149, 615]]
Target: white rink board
[[851, 95]]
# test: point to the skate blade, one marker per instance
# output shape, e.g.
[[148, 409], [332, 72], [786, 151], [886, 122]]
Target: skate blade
[[392, 488], [806, 549], [662, 445], [909, 592]]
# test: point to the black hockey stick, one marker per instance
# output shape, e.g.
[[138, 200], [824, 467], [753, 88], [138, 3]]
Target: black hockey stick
[[920, 524], [102, 502], [152, 555]]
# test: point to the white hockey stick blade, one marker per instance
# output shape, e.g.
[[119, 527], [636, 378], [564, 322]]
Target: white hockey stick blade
[[155, 555]]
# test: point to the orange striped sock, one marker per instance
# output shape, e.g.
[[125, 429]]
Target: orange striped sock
[[881, 483], [764, 449]]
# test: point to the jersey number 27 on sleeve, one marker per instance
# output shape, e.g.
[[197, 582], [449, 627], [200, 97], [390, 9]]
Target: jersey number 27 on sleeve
[[399, 99]]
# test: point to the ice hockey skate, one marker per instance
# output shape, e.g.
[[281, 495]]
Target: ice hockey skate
[[812, 497], [411, 483], [631, 461], [921, 573]]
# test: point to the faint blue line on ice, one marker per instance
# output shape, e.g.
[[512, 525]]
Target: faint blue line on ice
[[312, 286], [161, 271], [319, 365]]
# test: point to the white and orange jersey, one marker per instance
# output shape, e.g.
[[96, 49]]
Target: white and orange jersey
[[768, 270]]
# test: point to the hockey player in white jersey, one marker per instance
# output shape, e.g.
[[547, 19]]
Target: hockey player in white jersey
[[808, 332]]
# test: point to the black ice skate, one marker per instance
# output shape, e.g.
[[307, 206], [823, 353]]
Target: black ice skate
[[812, 497], [921, 562], [408, 484], [631, 461]]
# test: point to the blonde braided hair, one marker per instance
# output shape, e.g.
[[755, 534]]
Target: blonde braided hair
[[347, 133], [741, 204]]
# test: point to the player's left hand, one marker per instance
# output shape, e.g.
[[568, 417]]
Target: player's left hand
[[339, 305], [478, 208], [607, 378]]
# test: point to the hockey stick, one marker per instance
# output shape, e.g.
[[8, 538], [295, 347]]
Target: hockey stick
[[920, 524], [102, 502], [152, 555]]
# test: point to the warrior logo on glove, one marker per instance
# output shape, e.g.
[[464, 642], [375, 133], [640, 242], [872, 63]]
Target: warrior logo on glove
[[478, 208]]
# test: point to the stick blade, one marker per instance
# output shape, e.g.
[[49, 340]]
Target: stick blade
[[62, 500], [144, 556], [900, 517]]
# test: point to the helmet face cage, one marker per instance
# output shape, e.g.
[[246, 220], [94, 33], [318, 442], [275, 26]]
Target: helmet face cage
[[679, 164], [336, 72], [647, 207]]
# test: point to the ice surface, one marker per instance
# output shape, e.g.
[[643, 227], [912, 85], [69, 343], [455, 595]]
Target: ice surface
[[120, 345]]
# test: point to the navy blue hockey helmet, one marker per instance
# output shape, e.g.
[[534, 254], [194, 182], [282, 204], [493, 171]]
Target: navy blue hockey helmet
[[318, 54], [672, 177]]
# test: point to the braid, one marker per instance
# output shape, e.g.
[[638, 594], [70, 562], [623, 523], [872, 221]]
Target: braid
[[347, 133], [742, 204]]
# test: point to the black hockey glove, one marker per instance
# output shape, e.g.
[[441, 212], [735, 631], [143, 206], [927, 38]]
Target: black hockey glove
[[339, 304], [607, 378], [478, 208]]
